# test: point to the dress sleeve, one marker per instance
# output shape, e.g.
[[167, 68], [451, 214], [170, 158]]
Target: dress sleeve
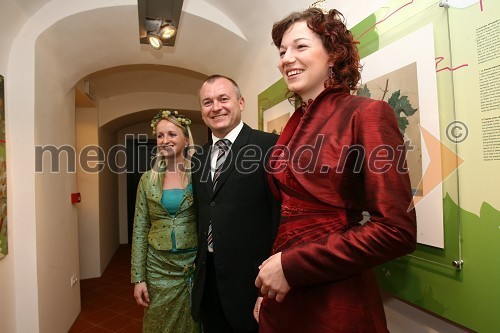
[[142, 225], [391, 231]]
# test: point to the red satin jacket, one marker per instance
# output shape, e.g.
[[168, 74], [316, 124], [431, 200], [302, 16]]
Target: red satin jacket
[[339, 157]]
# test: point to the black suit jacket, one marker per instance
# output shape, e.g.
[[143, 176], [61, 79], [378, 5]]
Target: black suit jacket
[[244, 217]]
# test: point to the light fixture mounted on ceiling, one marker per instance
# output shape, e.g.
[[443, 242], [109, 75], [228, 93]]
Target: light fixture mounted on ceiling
[[159, 30], [158, 21]]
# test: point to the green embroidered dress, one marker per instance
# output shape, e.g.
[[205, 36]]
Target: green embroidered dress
[[163, 252]]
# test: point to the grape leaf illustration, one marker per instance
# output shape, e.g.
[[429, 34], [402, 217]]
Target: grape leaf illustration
[[402, 109], [399, 103], [364, 91]]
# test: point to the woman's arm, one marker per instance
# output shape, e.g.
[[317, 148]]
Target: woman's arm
[[391, 231], [142, 225]]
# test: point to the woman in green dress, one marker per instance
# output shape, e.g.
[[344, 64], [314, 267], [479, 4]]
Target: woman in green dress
[[164, 238]]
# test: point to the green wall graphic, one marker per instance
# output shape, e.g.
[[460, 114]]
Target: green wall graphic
[[427, 278]]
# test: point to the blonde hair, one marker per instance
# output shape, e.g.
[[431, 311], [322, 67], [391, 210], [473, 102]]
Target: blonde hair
[[160, 166]]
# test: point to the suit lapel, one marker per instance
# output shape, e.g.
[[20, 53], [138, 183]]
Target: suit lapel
[[230, 162]]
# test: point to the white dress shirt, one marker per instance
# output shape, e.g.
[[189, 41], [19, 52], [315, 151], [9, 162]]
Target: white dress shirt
[[231, 136]]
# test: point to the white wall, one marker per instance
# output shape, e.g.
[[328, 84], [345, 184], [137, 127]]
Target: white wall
[[14, 18], [43, 229], [20, 181], [88, 186], [11, 13], [7, 268], [56, 217], [44, 242], [405, 318]]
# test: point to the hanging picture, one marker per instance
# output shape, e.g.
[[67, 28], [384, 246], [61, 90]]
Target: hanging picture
[[400, 89], [3, 176], [276, 117], [407, 81]]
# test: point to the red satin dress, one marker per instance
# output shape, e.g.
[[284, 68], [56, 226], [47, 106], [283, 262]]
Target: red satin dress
[[342, 156]]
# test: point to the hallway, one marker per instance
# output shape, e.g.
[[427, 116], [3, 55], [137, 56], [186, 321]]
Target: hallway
[[108, 303]]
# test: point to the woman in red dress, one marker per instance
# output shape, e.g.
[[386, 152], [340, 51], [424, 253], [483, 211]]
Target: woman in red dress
[[339, 155]]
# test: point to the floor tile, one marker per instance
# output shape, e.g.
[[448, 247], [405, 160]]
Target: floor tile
[[80, 326], [108, 303], [132, 328]]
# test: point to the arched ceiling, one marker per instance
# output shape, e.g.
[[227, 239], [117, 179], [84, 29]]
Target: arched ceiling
[[102, 44], [121, 80], [213, 34]]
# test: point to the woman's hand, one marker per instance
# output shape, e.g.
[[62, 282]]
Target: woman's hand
[[141, 294], [256, 308], [271, 279]]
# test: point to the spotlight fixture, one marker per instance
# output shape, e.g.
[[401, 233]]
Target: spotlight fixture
[[167, 31], [159, 21], [158, 31], [155, 41]]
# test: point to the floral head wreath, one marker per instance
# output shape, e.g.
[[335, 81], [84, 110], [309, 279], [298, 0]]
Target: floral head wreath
[[320, 4], [173, 116]]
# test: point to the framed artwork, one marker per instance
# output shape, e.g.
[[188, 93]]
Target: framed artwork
[[274, 108], [276, 117], [405, 77], [400, 89], [3, 176]]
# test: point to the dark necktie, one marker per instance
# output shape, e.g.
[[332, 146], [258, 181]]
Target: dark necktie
[[223, 146]]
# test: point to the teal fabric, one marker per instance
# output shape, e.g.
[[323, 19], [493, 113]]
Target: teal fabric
[[171, 199], [163, 253]]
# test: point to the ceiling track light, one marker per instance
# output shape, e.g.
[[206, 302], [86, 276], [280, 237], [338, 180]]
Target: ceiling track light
[[167, 31], [158, 31], [159, 18], [155, 41]]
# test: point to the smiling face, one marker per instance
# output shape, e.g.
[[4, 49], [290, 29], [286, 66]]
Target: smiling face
[[221, 106], [170, 140], [303, 61]]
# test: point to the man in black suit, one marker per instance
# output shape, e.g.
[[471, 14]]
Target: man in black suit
[[235, 209]]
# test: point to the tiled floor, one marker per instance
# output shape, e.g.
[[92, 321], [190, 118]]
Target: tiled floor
[[108, 303]]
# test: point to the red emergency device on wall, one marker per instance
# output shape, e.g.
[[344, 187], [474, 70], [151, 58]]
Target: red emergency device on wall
[[75, 198]]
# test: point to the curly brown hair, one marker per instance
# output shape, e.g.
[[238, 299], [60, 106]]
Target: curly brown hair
[[337, 40]]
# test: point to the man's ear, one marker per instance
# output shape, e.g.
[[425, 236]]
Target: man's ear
[[242, 104]]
